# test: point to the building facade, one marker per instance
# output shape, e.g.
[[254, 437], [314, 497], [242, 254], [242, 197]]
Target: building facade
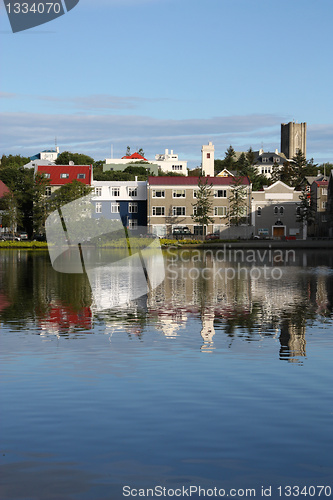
[[171, 202], [275, 212], [127, 199]]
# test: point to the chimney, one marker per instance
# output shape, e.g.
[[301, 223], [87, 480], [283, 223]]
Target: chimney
[[166, 152]]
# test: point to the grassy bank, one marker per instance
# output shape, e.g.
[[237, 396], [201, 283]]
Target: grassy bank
[[24, 244]]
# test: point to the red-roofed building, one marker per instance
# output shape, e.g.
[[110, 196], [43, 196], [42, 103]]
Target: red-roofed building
[[134, 156], [171, 200], [59, 175], [3, 189]]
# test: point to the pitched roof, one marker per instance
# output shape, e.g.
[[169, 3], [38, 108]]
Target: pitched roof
[[134, 156], [56, 171], [193, 181], [3, 189]]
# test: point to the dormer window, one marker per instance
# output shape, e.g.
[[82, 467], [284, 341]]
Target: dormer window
[[64, 176], [81, 176]]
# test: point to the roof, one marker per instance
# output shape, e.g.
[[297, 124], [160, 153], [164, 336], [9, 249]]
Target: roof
[[322, 183], [193, 181], [73, 171], [3, 189], [134, 156]]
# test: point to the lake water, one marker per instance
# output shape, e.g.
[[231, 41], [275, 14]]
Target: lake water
[[221, 378]]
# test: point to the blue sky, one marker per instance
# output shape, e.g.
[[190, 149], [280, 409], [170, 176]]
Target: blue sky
[[170, 74]]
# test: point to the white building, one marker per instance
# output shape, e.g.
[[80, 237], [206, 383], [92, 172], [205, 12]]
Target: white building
[[207, 161], [169, 162]]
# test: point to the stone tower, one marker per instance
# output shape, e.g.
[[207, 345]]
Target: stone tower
[[207, 162], [293, 138]]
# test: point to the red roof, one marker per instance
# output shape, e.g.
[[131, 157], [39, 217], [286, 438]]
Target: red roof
[[134, 156], [193, 181], [321, 183], [3, 189], [64, 174]]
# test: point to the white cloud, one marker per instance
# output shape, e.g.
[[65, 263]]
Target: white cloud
[[27, 134]]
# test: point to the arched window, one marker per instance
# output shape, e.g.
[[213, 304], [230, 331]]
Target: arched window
[[259, 211], [281, 210], [276, 210]]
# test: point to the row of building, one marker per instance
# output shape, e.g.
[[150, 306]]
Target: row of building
[[166, 203]]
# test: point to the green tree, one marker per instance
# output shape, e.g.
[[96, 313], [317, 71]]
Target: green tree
[[41, 204], [67, 193], [195, 172], [11, 216], [237, 201], [229, 161], [21, 183], [306, 211], [13, 161], [203, 206], [77, 158]]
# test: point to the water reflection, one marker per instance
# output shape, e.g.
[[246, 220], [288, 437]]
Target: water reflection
[[242, 296]]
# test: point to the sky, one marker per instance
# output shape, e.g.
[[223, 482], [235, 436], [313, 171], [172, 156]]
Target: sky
[[157, 74]]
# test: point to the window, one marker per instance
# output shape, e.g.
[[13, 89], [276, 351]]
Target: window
[[276, 210], [133, 224], [158, 193], [132, 191], [208, 155], [48, 191], [298, 210], [324, 191], [259, 211], [158, 211], [195, 193], [177, 167], [220, 211], [265, 160], [115, 191], [98, 208], [178, 210], [133, 208], [64, 176], [277, 160], [281, 210], [220, 193], [115, 208], [324, 204], [195, 210], [81, 176], [178, 193], [98, 191], [47, 176]]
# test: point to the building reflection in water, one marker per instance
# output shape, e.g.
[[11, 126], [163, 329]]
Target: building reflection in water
[[232, 300]]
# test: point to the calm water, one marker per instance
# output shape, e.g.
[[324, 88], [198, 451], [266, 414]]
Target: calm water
[[220, 378]]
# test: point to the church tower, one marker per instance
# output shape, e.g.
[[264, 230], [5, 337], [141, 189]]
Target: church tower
[[207, 162], [293, 138]]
